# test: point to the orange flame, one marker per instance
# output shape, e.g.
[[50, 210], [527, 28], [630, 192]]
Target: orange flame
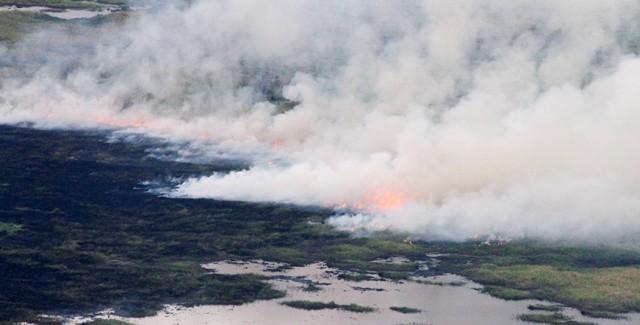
[[277, 143], [122, 122], [386, 200], [379, 200]]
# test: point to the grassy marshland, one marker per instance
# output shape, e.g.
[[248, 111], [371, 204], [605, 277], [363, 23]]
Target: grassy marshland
[[79, 233], [553, 319], [64, 4], [541, 307], [405, 310], [316, 305], [615, 289], [14, 24]]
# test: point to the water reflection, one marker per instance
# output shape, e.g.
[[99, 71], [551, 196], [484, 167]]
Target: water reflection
[[63, 13], [461, 303]]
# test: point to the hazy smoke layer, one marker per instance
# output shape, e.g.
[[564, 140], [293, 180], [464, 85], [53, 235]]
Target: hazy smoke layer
[[442, 119]]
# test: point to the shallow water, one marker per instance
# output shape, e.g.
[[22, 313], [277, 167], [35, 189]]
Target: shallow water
[[61, 13], [440, 304]]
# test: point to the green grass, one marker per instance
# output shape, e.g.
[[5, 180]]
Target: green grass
[[310, 287], [351, 252], [63, 4], [396, 276], [506, 293], [317, 305], [405, 310], [615, 289], [9, 228], [283, 254], [541, 307], [553, 319], [601, 314], [356, 277], [14, 24], [372, 248], [442, 283]]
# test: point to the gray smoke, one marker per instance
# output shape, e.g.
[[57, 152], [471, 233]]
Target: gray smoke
[[442, 119]]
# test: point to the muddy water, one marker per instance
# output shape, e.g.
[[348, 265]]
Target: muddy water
[[440, 304]]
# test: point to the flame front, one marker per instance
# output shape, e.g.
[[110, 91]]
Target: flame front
[[122, 122], [387, 200], [378, 200]]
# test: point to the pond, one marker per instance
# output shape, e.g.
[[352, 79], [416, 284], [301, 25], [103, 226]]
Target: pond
[[447, 299], [66, 14]]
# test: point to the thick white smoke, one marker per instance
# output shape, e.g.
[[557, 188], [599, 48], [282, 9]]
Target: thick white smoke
[[442, 119]]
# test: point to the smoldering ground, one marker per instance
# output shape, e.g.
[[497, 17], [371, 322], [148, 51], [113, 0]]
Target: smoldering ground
[[445, 120]]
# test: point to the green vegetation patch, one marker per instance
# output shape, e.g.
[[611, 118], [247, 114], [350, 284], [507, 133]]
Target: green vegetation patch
[[373, 248], [553, 319], [614, 289], [310, 287], [351, 252], [9, 228], [356, 277], [14, 24], [317, 305], [442, 283], [405, 310], [602, 314], [507, 293], [541, 307], [63, 4], [294, 256]]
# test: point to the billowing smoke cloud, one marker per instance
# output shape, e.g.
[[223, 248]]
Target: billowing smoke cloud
[[441, 119]]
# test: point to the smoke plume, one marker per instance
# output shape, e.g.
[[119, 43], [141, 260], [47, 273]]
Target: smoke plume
[[440, 119]]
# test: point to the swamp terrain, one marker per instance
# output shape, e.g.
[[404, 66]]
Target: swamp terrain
[[81, 230]]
